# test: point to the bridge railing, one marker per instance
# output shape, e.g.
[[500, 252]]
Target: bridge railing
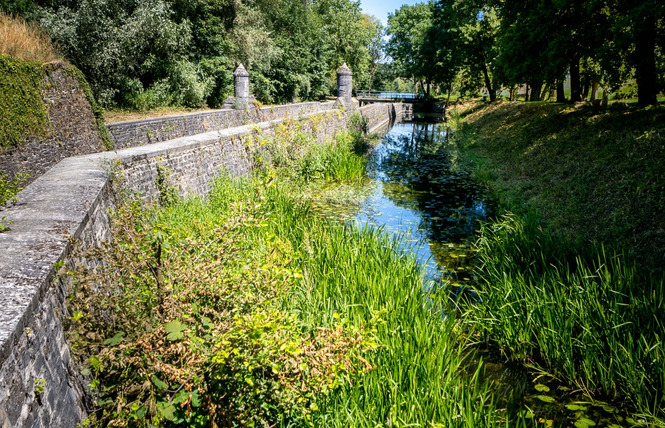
[[388, 95]]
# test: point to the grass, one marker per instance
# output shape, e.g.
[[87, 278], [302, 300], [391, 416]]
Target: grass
[[246, 310], [572, 283], [24, 40], [594, 175], [112, 116]]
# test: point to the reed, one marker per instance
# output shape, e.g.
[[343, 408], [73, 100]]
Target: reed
[[582, 314]]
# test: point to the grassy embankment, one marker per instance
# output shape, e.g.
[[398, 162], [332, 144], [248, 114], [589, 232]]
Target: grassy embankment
[[572, 280], [26, 55], [245, 310]]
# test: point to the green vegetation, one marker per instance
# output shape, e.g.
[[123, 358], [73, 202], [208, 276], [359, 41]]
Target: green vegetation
[[244, 309], [21, 104], [593, 175], [141, 55], [558, 281], [463, 46]]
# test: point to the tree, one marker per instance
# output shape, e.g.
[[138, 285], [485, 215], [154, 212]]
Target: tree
[[408, 27]]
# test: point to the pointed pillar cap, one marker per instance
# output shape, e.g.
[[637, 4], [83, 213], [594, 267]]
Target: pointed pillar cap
[[240, 71], [344, 70]]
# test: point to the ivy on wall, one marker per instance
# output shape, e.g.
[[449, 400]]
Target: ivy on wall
[[22, 106]]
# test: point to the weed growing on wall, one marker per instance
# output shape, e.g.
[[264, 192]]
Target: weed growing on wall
[[21, 105]]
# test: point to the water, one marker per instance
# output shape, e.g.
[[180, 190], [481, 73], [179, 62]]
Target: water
[[416, 189]]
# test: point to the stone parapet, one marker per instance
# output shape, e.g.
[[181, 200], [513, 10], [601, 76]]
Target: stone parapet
[[140, 132]]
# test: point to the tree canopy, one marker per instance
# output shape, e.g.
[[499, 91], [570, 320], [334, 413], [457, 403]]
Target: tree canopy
[[141, 54], [538, 43]]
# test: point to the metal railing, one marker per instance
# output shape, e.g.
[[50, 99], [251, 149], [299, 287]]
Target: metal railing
[[388, 95]]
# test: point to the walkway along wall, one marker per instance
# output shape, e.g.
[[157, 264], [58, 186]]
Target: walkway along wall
[[40, 386]]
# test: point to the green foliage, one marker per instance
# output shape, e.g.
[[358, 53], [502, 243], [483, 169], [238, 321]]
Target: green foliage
[[97, 111], [588, 316], [21, 104], [551, 294], [256, 313]]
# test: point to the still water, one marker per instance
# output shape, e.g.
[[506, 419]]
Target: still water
[[416, 189]]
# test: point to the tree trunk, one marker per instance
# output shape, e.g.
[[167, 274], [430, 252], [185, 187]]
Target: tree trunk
[[488, 83], [575, 86], [585, 89], [511, 94], [645, 64], [535, 91], [543, 94], [526, 92], [450, 89], [605, 101], [560, 93], [594, 90]]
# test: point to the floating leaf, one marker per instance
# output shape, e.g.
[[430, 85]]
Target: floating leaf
[[609, 409], [545, 398], [542, 388], [112, 341], [584, 423]]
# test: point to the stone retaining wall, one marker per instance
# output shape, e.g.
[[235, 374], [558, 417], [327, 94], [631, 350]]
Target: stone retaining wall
[[141, 132], [39, 383]]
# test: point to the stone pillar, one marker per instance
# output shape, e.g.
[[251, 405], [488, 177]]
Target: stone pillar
[[344, 82], [241, 83], [345, 87], [241, 99]]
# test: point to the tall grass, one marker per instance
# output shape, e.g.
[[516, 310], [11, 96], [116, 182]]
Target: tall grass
[[581, 313], [25, 40], [416, 374]]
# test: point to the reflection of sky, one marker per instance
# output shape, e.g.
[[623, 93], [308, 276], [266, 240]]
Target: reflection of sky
[[413, 213], [379, 210]]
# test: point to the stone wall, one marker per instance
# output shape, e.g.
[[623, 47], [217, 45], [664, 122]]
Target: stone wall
[[39, 383], [141, 132], [72, 128]]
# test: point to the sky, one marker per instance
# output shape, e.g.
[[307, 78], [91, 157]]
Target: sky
[[381, 8]]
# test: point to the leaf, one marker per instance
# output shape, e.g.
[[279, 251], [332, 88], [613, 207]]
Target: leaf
[[174, 326], [575, 407], [545, 398], [175, 330], [176, 335], [166, 410], [159, 384], [542, 388], [584, 423], [112, 341]]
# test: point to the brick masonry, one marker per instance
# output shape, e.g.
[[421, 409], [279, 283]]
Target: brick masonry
[[68, 206]]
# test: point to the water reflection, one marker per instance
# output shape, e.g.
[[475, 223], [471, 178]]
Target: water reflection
[[416, 189]]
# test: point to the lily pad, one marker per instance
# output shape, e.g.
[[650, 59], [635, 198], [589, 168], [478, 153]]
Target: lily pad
[[545, 398], [542, 388]]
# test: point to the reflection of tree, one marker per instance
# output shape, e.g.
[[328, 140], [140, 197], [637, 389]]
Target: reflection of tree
[[419, 165]]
